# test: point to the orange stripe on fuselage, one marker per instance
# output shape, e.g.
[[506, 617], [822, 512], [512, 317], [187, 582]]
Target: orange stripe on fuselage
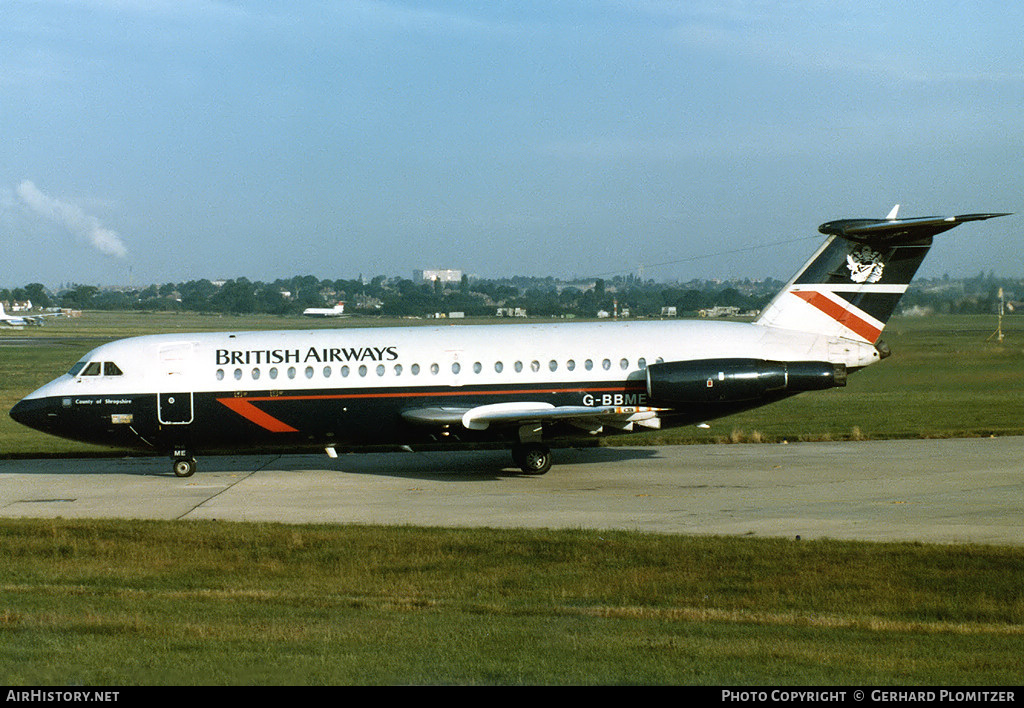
[[840, 314], [247, 410]]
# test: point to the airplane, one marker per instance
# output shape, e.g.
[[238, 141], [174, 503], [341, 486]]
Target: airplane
[[527, 387], [22, 320], [336, 311]]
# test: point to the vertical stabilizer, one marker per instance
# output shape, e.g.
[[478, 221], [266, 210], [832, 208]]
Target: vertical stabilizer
[[850, 287]]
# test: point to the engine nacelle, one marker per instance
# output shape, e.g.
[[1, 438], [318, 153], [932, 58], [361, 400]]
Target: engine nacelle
[[737, 380]]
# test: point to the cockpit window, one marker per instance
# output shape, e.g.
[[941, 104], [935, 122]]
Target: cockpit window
[[96, 368]]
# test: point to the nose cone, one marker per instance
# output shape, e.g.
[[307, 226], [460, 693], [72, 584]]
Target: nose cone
[[35, 413]]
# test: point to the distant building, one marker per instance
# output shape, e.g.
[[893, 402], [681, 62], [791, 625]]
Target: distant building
[[437, 276], [720, 311]]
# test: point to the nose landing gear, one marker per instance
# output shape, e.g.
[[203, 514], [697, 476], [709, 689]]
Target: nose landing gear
[[184, 465]]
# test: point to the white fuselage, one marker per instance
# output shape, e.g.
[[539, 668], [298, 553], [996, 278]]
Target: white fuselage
[[445, 357]]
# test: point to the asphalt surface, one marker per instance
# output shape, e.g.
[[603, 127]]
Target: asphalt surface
[[942, 491]]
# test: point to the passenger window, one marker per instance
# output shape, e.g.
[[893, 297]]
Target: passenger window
[[220, 374], [362, 370], [398, 369], [255, 374], [309, 372], [456, 368], [291, 372], [498, 366], [327, 372], [380, 369], [477, 367], [606, 364], [642, 363], [519, 366], [344, 372], [415, 368], [588, 364], [434, 368], [110, 369], [238, 374], [570, 365], [93, 369], [624, 364], [535, 366], [273, 372], [553, 365]]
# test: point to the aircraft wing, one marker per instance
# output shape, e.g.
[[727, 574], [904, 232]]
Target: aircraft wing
[[38, 318], [21, 320], [524, 412]]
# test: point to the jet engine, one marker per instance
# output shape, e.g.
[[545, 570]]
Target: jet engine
[[737, 380]]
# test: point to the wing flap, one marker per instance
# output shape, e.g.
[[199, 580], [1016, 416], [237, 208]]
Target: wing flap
[[481, 417], [521, 412]]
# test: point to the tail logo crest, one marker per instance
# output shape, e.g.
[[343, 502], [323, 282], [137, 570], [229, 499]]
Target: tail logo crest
[[865, 265]]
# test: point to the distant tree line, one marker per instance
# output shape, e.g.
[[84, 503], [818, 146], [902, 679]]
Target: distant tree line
[[966, 296], [539, 297]]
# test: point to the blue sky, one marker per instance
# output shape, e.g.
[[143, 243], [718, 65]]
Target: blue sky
[[169, 140]]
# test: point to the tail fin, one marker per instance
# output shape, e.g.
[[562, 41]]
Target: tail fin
[[851, 285]]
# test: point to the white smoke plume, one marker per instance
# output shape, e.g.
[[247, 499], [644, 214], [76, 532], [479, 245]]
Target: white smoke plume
[[73, 219]]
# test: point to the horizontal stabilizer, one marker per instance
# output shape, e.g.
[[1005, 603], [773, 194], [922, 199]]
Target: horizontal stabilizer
[[896, 231]]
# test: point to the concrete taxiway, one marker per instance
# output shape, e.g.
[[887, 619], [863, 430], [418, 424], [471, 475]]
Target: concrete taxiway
[[943, 491]]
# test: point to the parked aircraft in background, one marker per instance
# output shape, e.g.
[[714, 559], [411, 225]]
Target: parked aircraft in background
[[22, 320], [336, 311], [526, 386]]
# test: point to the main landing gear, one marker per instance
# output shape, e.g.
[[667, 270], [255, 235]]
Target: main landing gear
[[532, 458], [184, 465]]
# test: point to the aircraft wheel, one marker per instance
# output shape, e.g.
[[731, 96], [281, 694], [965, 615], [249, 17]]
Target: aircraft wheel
[[532, 458], [184, 466]]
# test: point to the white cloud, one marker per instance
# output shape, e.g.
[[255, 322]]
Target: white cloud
[[72, 218]]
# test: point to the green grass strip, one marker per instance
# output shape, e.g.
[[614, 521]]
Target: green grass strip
[[152, 602]]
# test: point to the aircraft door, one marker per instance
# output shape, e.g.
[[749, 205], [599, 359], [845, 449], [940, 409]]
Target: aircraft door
[[174, 408], [174, 402]]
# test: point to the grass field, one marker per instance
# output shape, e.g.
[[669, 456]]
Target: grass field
[[202, 603]]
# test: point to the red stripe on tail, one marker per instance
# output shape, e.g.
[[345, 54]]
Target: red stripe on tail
[[840, 314]]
